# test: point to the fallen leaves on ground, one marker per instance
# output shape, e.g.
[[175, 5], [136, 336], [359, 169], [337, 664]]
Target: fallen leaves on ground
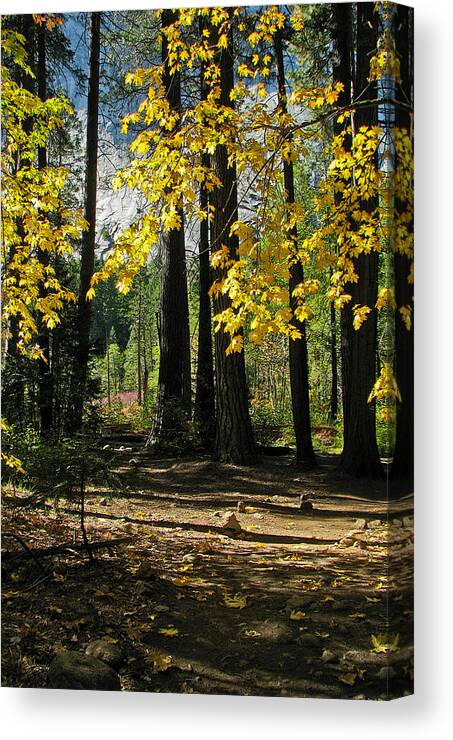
[[169, 631], [235, 601], [296, 615], [348, 678], [159, 661], [385, 643]]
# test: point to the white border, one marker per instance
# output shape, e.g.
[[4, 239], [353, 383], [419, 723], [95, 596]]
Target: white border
[[75, 715]]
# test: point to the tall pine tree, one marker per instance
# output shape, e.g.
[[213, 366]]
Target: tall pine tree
[[83, 324], [234, 436], [174, 382], [360, 455], [298, 353], [403, 461]]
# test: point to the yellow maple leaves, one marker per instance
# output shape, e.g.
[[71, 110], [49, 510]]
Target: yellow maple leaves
[[386, 299], [386, 386], [236, 345], [385, 643], [317, 97], [35, 223], [169, 170], [406, 316], [360, 314], [385, 61], [296, 615], [49, 20], [235, 601], [169, 631]]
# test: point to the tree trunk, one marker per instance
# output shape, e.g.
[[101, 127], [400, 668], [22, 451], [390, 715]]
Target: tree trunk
[[298, 354], [333, 365], [83, 324], [360, 456], [234, 435], [204, 413], [45, 371], [107, 342], [342, 72], [403, 462], [145, 371], [174, 380], [139, 342]]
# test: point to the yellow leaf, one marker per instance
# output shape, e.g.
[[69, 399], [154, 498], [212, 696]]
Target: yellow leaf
[[235, 601], [385, 643], [348, 678], [182, 581], [236, 345], [203, 595], [296, 615], [169, 631], [159, 661]]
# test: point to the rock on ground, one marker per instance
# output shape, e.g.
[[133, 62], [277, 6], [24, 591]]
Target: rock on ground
[[107, 651], [71, 670], [230, 522]]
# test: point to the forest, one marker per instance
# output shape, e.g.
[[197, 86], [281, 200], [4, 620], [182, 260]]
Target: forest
[[207, 350]]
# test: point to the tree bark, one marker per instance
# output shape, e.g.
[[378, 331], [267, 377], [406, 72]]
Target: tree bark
[[360, 456], [342, 71], [174, 381], [403, 461], [333, 365], [139, 342], [234, 435], [83, 324], [204, 412], [298, 353]]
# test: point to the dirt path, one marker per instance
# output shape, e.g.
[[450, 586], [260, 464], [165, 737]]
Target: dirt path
[[285, 605]]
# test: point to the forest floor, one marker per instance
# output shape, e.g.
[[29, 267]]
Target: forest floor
[[289, 604]]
